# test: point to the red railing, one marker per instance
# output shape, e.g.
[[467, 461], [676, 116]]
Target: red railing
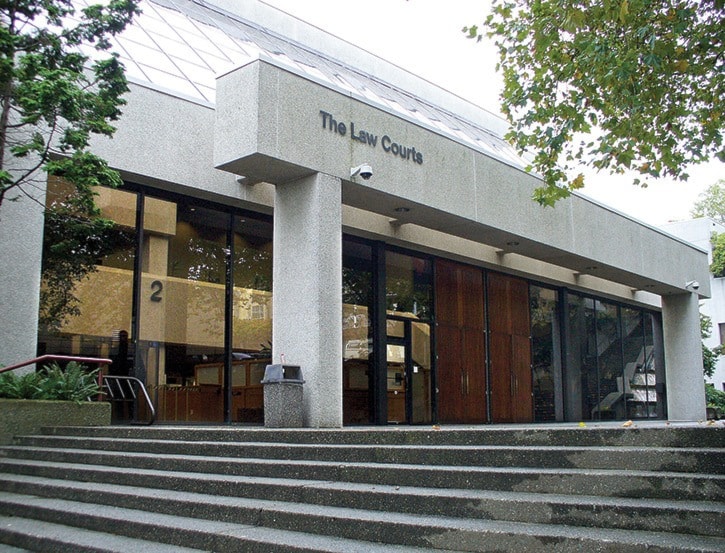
[[91, 360], [117, 394]]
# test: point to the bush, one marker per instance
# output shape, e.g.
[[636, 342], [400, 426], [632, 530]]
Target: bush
[[714, 398], [51, 382]]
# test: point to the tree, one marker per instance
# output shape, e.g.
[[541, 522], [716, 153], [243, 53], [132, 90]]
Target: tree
[[55, 97], [711, 203], [619, 85], [709, 356], [58, 87]]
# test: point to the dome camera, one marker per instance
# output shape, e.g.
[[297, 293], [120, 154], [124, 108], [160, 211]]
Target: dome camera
[[364, 170]]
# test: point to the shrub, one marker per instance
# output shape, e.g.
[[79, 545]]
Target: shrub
[[51, 382], [714, 398]]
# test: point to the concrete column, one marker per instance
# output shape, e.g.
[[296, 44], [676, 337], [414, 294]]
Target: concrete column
[[683, 357], [21, 248], [307, 291]]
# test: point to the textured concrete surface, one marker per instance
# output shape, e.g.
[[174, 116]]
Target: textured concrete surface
[[230, 489], [25, 416], [307, 289]]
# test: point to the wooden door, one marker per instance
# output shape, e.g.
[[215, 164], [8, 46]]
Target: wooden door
[[510, 349], [461, 344]]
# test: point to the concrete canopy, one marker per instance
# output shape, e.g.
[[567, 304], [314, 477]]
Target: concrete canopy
[[275, 125]]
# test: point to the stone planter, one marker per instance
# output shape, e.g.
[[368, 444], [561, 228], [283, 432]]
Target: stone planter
[[28, 416]]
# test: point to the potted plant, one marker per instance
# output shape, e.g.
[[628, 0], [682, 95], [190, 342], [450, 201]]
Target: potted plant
[[51, 396]]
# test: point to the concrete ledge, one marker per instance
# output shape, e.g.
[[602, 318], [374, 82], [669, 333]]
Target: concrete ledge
[[28, 416]]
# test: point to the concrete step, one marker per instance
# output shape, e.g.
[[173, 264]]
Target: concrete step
[[179, 531], [362, 529], [607, 483], [641, 434], [38, 535], [683, 517], [626, 458]]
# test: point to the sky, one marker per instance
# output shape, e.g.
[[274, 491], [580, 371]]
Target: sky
[[425, 38]]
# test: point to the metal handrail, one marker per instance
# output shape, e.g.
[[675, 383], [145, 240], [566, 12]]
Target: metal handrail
[[119, 394], [92, 360], [103, 379]]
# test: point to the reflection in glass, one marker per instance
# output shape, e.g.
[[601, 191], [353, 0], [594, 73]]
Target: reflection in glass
[[409, 286], [182, 347], [607, 401], [408, 300], [357, 304], [546, 354], [97, 323], [611, 369], [420, 378]]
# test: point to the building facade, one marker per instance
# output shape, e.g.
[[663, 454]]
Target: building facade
[[700, 232], [290, 198]]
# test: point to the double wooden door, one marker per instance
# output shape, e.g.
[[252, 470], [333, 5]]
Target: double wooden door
[[462, 361], [510, 349], [461, 343]]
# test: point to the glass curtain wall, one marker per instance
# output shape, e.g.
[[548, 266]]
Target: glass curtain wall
[[610, 363], [357, 332], [204, 307], [190, 260], [86, 306], [546, 354]]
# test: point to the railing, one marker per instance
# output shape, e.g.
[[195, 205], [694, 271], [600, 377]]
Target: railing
[[91, 360], [118, 389], [121, 392]]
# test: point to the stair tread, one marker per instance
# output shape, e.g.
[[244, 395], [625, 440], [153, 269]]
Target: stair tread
[[118, 516], [402, 447], [81, 539], [405, 466], [433, 525], [355, 487]]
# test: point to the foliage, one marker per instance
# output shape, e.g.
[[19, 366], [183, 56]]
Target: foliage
[[13, 386], [714, 398], [621, 85], [55, 96], [709, 356], [711, 203], [74, 383], [717, 267]]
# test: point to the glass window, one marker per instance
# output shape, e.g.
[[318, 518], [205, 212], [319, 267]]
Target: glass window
[[607, 399], [409, 286], [86, 305], [357, 338], [581, 356], [546, 354]]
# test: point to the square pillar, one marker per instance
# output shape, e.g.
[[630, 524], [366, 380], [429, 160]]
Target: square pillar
[[22, 222], [307, 292], [683, 357]]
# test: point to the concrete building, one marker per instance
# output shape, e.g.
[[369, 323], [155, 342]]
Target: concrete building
[[699, 232], [292, 198]]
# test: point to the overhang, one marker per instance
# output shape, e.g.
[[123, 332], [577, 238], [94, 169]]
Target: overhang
[[275, 125]]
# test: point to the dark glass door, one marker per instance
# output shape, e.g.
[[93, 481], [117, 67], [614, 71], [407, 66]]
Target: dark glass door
[[409, 388]]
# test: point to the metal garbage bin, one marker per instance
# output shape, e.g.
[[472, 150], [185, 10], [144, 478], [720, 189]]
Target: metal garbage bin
[[283, 406]]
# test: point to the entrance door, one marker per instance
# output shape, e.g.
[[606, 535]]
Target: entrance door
[[510, 349], [461, 343], [409, 374]]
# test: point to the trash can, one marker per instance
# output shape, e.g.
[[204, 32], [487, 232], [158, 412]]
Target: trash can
[[283, 406]]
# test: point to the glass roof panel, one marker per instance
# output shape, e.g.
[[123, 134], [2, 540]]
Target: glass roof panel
[[183, 45]]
